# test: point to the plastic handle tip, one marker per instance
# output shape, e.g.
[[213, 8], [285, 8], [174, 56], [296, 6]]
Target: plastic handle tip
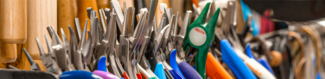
[[235, 63], [125, 75], [105, 75], [215, 70], [159, 71], [188, 71], [175, 74], [102, 64], [139, 76], [79, 74], [173, 63]]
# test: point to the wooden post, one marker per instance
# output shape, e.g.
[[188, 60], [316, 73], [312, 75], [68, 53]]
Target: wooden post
[[13, 28], [82, 11], [41, 14], [67, 11]]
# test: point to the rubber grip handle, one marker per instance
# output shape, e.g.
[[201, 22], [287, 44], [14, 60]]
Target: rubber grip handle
[[105, 75], [78, 74], [259, 70], [262, 61], [234, 62], [188, 71], [175, 74], [143, 72], [153, 78], [248, 52], [102, 64], [173, 63], [125, 75], [139, 76], [159, 71], [266, 64], [215, 70]]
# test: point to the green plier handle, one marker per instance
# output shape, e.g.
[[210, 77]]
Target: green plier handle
[[200, 35]]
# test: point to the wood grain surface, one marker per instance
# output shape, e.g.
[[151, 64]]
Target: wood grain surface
[[67, 11], [8, 53], [13, 21], [41, 14], [82, 11], [22, 61], [102, 4]]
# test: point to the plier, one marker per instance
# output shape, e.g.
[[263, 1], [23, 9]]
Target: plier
[[33, 66], [199, 35], [61, 53], [48, 60], [124, 53], [227, 31], [177, 60], [77, 53]]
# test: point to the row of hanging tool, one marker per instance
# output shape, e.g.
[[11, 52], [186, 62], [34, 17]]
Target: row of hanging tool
[[176, 48]]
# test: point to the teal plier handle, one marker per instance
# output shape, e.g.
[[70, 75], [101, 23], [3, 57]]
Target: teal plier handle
[[200, 35]]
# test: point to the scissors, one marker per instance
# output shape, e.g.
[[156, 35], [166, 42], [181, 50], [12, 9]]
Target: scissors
[[199, 35]]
